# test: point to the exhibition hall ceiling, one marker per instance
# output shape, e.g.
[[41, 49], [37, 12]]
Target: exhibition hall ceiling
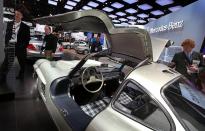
[[132, 12]]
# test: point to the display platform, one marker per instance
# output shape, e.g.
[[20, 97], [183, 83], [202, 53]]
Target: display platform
[[6, 94]]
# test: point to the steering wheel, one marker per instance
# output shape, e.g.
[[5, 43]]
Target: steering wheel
[[89, 76]]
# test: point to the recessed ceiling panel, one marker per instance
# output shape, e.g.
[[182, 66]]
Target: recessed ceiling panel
[[175, 8], [93, 4], [116, 21], [157, 12], [123, 19], [120, 14], [87, 8], [117, 5], [131, 17], [142, 15], [107, 9], [151, 19], [71, 3], [52, 2], [77, 0], [131, 11], [164, 2], [146, 10], [130, 1], [68, 7], [132, 22], [112, 16], [145, 7], [102, 1], [124, 23], [141, 21]]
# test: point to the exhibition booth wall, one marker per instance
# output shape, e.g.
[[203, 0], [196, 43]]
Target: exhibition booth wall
[[187, 22]]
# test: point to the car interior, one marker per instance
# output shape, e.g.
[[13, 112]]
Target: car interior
[[139, 106], [85, 92]]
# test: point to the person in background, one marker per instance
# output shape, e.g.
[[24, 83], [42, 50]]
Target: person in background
[[99, 47], [96, 46], [188, 62], [58, 36], [16, 40], [50, 42]]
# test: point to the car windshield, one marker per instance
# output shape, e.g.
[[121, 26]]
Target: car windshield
[[37, 38], [188, 102], [82, 44], [168, 53]]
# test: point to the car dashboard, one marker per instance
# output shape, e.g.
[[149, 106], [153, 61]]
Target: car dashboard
[[109, 73]]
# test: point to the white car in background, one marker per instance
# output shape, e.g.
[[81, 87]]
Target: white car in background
[[35, 45], [81, 47], [88, 95], [67, 45]]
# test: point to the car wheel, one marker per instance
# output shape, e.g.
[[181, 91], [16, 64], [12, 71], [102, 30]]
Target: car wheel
[[86, 52]]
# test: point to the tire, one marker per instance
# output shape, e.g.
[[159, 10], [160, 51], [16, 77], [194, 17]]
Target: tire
[[85, 52]]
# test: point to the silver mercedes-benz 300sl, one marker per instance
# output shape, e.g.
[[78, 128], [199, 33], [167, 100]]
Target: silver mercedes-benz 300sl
[[92, 95]]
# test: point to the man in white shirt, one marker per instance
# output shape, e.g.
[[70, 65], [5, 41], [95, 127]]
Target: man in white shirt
[[16, 40]]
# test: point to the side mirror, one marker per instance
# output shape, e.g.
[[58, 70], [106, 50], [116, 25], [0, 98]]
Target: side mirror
[[169, 43]]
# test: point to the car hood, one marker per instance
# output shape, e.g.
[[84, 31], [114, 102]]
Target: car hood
[[50, 70], [132, 44]]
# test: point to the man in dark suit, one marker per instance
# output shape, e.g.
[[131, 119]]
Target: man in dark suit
[[16, 40], [188, 62], [50, 42]]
